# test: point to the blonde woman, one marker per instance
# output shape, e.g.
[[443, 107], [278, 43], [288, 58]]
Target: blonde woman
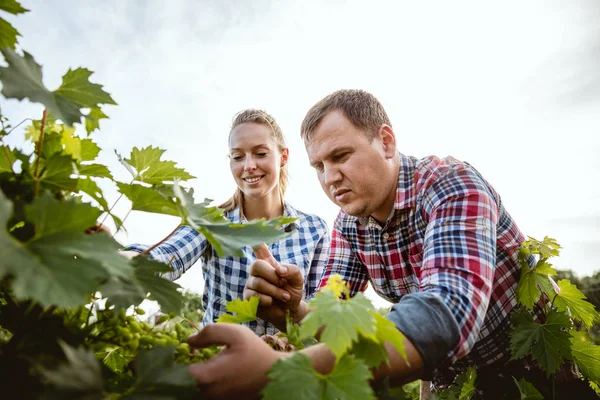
[[258, 160]]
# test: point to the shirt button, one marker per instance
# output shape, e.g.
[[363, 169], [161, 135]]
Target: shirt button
[[386, 235], [395, 284]]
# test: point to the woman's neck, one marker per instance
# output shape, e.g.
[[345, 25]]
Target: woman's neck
[[267, 207]]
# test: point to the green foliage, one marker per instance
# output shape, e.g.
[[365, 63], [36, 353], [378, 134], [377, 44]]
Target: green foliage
[[245, 311], [8, 34], [571, 301], [293, 378], [527, 390]]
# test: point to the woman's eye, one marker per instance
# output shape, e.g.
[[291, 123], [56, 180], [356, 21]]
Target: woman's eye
[[236, 157], [262, 154]]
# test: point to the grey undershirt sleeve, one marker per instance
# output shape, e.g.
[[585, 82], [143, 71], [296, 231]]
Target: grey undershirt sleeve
[[427, 322]]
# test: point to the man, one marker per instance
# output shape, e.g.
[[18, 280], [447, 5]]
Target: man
[[431, 235]]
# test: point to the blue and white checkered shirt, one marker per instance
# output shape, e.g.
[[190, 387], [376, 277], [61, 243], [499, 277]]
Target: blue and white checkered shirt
[[224, 277]]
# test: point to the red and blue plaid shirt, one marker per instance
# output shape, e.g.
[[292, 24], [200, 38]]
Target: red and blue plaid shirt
[[448, 235]]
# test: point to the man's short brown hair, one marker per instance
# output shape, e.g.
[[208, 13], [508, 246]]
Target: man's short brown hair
[[360, 107]]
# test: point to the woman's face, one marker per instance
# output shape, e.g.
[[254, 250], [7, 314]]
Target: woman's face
[[255, 160]]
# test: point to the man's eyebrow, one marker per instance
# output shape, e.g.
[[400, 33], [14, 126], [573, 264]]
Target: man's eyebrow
[[332, 153]]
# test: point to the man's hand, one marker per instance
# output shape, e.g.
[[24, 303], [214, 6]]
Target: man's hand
[[279, 287], [239, 370]]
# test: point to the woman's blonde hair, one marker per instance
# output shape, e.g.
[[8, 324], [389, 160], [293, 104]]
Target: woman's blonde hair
[[263, 118]]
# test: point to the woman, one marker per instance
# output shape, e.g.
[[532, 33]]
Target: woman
[[258, 161]]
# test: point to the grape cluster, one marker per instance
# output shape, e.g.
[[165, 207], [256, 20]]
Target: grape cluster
[[116, 329]]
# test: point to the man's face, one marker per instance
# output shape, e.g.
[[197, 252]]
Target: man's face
[[354, 172]]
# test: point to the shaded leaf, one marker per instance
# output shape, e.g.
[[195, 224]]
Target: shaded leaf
[[293, 378], [147, 199], [160, 289], [527, 390], [57, 173], [7, 159], [548, 343], [8, 35]]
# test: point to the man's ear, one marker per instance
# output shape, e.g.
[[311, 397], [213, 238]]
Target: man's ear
[[284, 156], [388, 140]]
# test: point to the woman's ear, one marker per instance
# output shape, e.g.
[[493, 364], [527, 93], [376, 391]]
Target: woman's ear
[[284, 156]]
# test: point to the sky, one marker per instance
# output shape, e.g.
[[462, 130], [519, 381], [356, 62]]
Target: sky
[[511, 87]]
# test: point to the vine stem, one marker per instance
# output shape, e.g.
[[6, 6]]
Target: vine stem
[[149, 249], [19, 124], [191, 323], [113, 206], [40, 146]]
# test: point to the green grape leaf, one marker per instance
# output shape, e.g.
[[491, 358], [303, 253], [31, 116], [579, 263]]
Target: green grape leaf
[[89, 187], [527, 390], [147, 199], [548, 343], [7, 159], [13, 7], [23, 79], [92, 120], [343, 320], [569, 298], [79, 377], [245, 311], [158, 377], [150, 169], [293, 378], [467, 384], [77, 88], [532, 279], [8, 35], [388, 332], [51, 216], [586, 355], [228, 240], [57, 173], [89, 150], [371, 352], [114, 359], [161, 290], [58, 267], [71, 143], [97, 170], [122, 294]]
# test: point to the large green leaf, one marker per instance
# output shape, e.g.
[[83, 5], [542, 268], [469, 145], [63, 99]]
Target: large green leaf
[[548, 343], [158, 377], [57, 173], [97, 170], [8, 35], [586, 355], [149, 200], [532, 280], [80, 377], [293, 378], [344, 320], [12, 6], [113, 358], [150, 169], [245, 311], [91, 188], [58, 267], [23, 79], [160, 289], [570, 299], [51, 216], [77, 88]]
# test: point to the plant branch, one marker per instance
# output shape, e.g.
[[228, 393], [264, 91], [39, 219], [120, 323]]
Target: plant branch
[[191, 323], [19, 124], [40, 146], [113, 206], [149, 249]]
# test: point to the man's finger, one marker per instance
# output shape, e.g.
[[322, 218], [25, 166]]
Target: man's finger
[[263, 253], [264, 300], [292, 274], [264, 270], [261, 286], [219, 334]]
